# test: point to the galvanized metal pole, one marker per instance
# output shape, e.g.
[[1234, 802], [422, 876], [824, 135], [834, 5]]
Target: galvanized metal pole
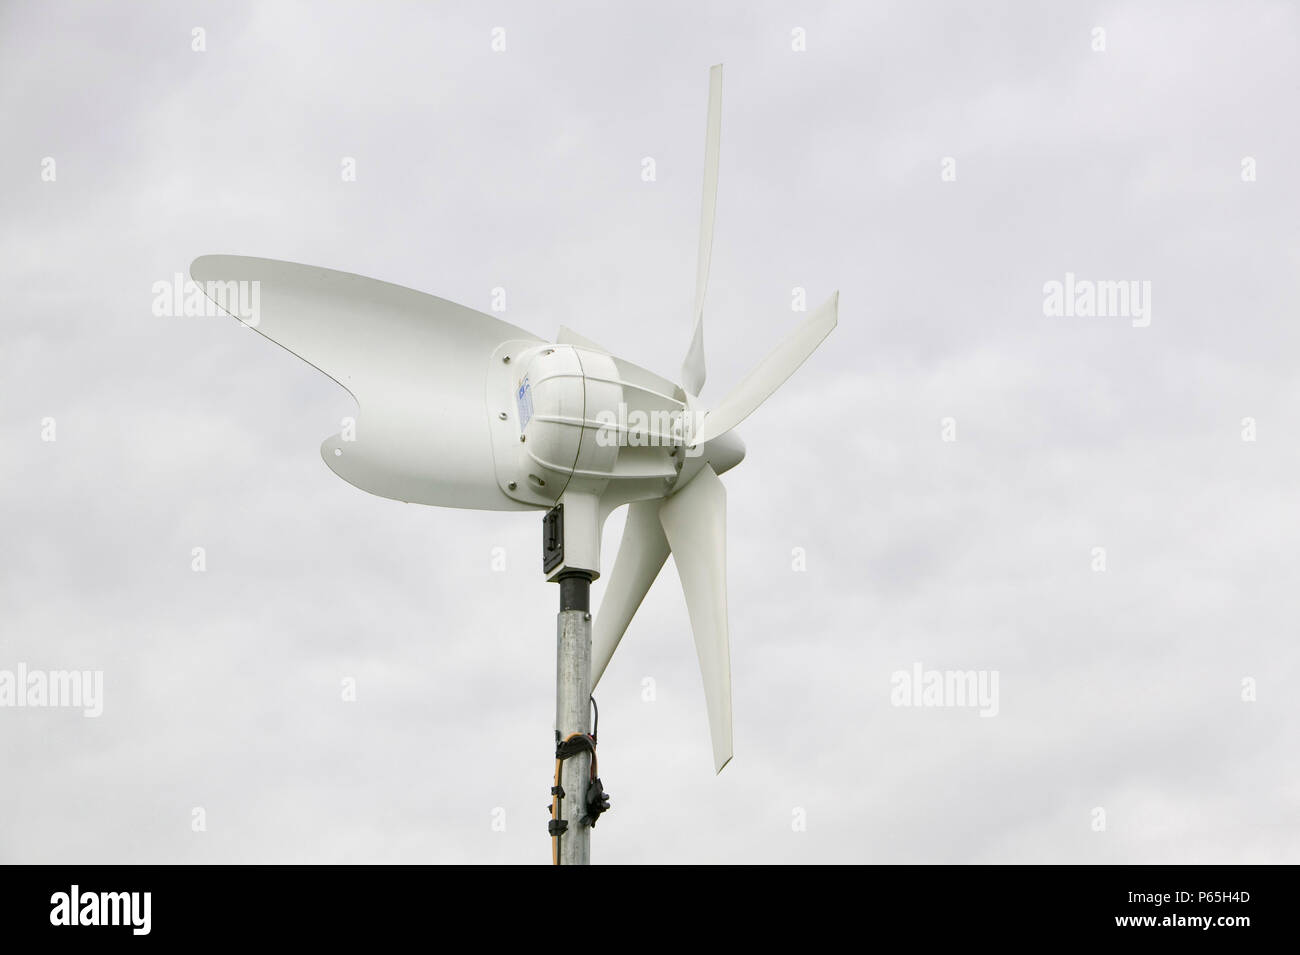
[[573, 711]]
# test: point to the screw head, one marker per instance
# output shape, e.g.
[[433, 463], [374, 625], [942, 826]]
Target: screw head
[[523, 437], [512, 485], [506, 360], [501, 415]]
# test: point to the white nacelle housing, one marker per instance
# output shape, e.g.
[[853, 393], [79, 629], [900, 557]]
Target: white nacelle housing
[[578, 422]]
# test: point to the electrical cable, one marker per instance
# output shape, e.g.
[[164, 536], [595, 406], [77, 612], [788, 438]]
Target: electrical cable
[[563, 750]]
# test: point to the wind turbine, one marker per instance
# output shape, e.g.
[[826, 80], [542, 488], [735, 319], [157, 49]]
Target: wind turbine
[[461, 409]]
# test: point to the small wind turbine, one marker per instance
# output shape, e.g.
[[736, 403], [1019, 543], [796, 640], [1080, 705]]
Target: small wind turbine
[[460, 409]]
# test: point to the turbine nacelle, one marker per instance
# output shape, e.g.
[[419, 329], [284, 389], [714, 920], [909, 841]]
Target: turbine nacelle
[[572, 422], [566, 418]]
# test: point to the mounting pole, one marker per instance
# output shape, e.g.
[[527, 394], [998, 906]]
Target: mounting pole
[[571, 558], [573, 711]]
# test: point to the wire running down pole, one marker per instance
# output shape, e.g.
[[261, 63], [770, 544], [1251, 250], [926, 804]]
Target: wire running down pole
[[572, 718]]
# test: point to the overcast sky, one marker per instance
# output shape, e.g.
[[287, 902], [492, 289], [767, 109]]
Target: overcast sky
[[1119, 689]]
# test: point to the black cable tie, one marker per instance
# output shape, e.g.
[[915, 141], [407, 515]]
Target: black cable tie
[[575, 745]]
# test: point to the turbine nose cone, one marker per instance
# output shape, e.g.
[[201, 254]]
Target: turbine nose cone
[[724, 452]]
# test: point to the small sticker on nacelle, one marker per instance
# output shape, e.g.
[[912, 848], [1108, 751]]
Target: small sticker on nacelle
[[524, 401]]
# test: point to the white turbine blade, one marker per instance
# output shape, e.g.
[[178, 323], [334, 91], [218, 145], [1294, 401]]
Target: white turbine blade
[[693, 366], [641, 555], [417, 366], [771, 372], [695, 521]]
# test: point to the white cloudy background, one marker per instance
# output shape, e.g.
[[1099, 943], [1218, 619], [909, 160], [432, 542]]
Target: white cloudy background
[[521, 169]]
